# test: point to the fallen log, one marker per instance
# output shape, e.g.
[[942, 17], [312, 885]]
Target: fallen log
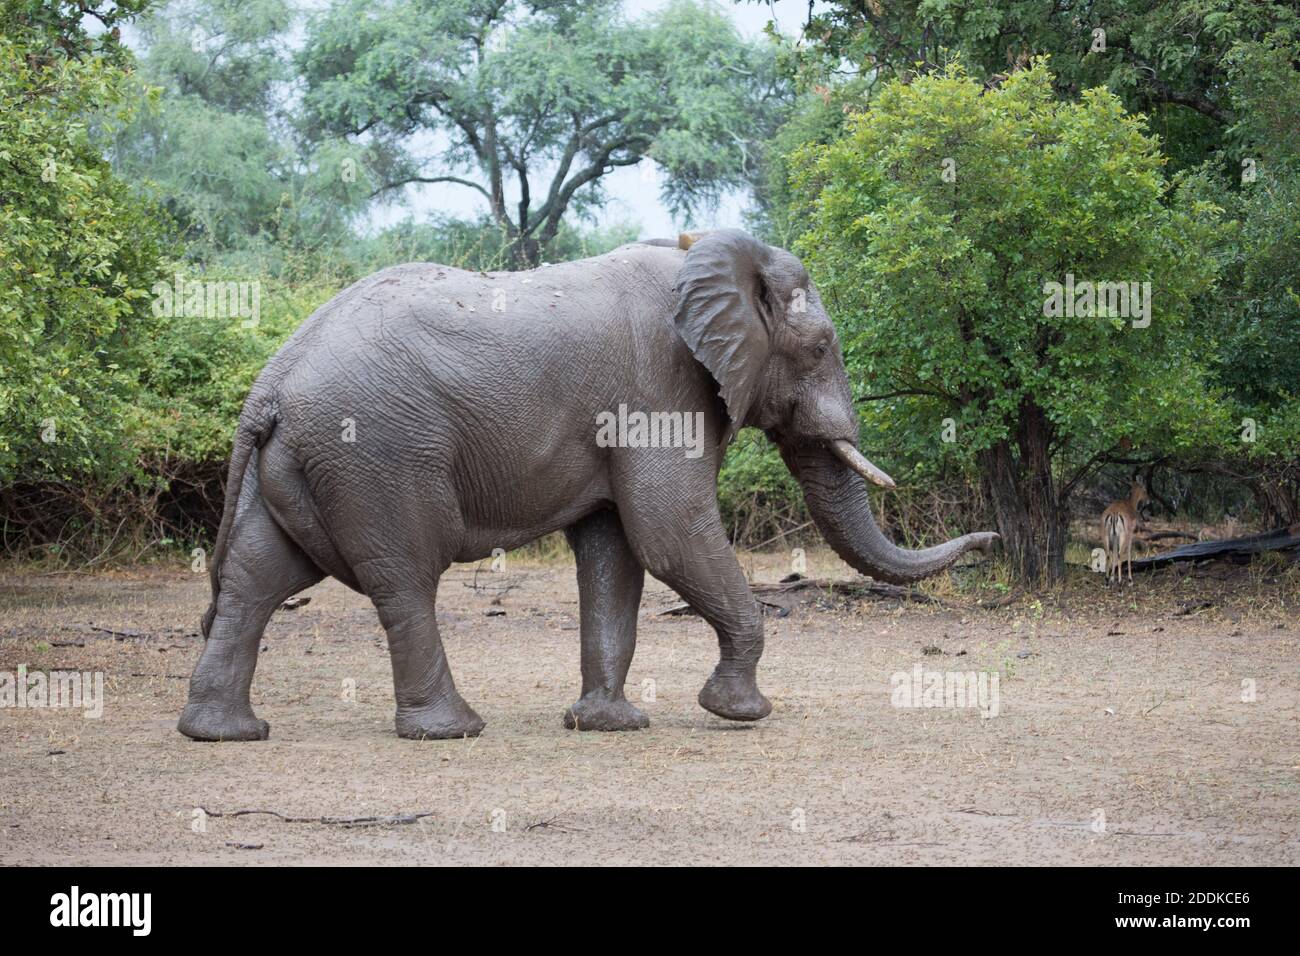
[[864, 588], [1237, 550]]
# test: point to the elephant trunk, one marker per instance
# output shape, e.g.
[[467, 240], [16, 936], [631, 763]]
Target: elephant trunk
[[841, 509]]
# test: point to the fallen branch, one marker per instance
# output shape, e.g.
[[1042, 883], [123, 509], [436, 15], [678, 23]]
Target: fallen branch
[[402, 818], [552, 824], [119, 635], [865, 588], [167, 676], [504, 589]]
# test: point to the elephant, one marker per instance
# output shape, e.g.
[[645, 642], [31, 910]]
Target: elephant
[[428, 415]]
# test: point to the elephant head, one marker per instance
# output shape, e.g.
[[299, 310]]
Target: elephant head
[[751, 315]]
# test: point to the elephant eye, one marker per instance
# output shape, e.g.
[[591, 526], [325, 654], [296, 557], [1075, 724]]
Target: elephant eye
[[820, 349]]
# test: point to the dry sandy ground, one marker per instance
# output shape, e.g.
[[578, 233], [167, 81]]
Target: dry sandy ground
[[1109, 706]]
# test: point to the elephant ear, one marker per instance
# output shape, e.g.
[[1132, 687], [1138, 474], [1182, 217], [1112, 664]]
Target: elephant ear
[[725, 314]]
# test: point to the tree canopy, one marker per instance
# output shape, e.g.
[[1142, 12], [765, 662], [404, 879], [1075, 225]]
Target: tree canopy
[[221, 142], [936, 225], [531, 105]]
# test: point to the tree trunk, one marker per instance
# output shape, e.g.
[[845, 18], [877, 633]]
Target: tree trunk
[[525, 253], [1003, 489], [1030, 519], [1278, 496]]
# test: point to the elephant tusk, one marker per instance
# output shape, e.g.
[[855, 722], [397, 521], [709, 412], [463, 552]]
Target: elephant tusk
[[855, 460]]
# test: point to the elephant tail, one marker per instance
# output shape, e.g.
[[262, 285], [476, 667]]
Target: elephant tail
[[252, 434]]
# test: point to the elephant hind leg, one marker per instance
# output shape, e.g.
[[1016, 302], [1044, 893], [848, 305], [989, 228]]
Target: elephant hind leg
[[262, 567], [428, 705], [396, 553], [609, 595]]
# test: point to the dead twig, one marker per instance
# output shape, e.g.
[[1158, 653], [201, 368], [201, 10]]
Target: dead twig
[[119, 635], [504, 589], [396, 820], [552, 824]]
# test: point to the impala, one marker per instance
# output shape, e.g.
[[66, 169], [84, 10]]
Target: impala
[[1118, 523]]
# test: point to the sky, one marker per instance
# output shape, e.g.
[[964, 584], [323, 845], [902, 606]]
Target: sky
[[633, 196]]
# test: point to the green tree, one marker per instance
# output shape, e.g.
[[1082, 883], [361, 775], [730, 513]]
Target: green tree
[[937, 223], [816, 118], [109, 407], [1150, 53], [532, 104], [1220, 82], [78, 255], [220, 141], [1255, 309], [70, 29]]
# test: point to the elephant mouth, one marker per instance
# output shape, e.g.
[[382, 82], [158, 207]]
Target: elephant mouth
[[858, 462]]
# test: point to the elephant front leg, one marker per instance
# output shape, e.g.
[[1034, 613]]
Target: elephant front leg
[[700, 565], [718, 590], [609, 595]]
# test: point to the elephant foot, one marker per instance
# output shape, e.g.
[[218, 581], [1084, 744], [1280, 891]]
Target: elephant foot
[[206, 721], [449, 719], [734, 696], [601, 713]]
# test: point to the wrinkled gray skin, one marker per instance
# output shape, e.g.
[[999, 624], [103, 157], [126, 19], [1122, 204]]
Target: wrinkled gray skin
[[476, 429]]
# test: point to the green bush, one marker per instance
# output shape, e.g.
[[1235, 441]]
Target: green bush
[[78, 253], [758, 497]]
